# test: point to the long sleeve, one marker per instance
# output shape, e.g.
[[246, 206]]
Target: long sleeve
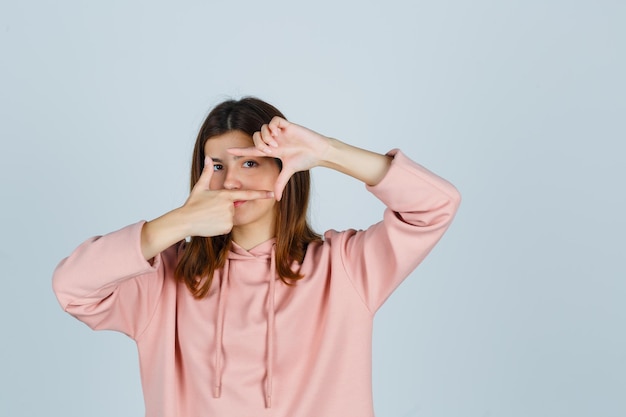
[[107, 284], [420, 207]]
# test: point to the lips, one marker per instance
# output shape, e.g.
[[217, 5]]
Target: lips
[[238, 203]]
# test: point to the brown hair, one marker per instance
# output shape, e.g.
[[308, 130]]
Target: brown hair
[[203, 255]]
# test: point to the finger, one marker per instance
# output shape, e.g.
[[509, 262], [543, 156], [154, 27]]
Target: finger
[[268, 136], [274, 130], [277, 123], [207, 172], [260, 144], [259, 141], [245, 195], [281, 182], [251, 151]]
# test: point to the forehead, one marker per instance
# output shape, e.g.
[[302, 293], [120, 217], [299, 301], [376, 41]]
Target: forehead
[[217, 145]]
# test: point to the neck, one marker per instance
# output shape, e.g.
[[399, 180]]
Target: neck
[[248, 238]]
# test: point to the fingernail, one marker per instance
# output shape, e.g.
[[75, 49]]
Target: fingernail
[[270, 194], [207, 160]]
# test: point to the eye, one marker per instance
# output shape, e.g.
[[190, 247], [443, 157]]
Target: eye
[[217, 167], [250, 164]]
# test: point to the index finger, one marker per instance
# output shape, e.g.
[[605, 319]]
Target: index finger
[[245, 195]]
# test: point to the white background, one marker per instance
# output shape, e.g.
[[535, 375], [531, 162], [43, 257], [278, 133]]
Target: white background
[[520, 311]]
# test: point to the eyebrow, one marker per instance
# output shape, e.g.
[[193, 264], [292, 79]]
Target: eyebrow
[[236, 157]]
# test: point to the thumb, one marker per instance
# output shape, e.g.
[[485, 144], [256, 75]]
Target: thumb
[[281, 182], [205, 176]]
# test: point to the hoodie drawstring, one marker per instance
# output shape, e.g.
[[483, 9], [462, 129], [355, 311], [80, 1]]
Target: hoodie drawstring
[[221, 307], [271, 318], [271, 315]]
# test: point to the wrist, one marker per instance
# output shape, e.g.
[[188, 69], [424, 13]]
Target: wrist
[[366, 166], [331, 155], [179, 223], [162, 232]]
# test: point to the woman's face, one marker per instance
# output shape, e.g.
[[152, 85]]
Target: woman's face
[[232, 172]]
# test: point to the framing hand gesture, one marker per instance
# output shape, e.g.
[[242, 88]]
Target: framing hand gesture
[[297, 147]]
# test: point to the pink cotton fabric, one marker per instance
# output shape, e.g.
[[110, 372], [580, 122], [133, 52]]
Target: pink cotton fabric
[[265, 349]]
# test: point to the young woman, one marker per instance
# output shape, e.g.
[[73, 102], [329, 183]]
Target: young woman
[[255, 314]]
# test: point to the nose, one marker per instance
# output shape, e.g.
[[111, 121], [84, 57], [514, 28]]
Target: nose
[[231, 181]]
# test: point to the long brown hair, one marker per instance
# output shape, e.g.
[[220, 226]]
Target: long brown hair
[[203, 255]]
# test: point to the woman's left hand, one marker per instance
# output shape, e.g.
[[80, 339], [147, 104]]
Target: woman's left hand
[[298, 148]]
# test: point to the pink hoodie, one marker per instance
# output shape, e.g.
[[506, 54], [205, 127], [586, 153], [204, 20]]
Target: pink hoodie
[[255, 346]]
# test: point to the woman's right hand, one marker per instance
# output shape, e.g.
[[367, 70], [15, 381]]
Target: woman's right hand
[[210, 212], [206, 213]]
